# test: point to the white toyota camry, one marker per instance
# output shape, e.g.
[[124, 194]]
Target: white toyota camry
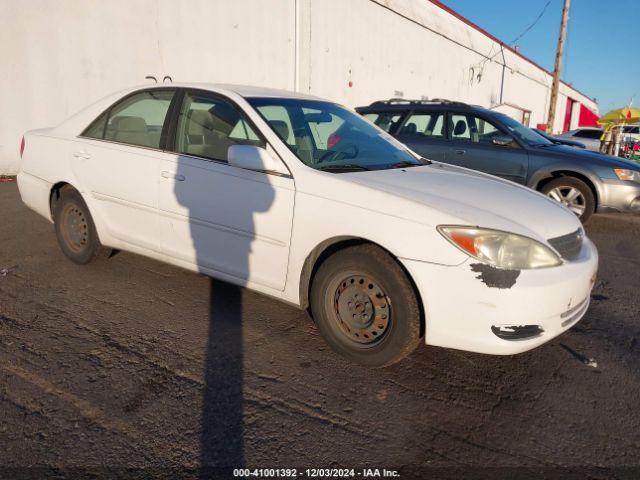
[[304, 200]]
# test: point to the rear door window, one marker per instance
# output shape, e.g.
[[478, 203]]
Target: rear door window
[[135, 120], [423, 125]]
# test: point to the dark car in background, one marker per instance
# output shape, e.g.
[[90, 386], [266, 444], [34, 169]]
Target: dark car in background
[[492, 142]]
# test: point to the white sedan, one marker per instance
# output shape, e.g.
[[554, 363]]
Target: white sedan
[[303, 200]]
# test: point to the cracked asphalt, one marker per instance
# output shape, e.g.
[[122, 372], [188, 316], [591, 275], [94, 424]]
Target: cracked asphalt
[[130, 363]]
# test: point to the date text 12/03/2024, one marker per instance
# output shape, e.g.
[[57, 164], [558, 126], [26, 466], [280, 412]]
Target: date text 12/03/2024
[[315, 473]]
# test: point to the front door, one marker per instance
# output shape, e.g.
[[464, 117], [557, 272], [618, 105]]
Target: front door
[[225, 220], [472, 147]]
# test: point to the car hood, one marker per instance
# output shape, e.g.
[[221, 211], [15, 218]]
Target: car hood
[[565, 152], [457, 195]]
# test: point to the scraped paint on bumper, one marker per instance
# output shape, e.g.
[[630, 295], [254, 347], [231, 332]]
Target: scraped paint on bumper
[[463, 311]]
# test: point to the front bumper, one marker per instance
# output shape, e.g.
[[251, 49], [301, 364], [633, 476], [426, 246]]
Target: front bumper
[[465, 311], [620, 196]]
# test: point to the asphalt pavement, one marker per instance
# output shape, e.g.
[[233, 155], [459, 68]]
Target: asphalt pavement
[[129, 363]]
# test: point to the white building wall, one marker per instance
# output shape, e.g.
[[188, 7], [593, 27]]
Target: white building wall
[[60, 55]]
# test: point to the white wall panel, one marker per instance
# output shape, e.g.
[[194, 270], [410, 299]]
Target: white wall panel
[[60, 55]]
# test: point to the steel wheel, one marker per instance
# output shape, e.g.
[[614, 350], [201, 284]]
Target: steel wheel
[[570, 197], [365, 306], [74, 227], [361, 310]]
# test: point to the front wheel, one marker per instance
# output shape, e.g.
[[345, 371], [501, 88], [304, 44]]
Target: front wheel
[[574, 194], [365, 306]]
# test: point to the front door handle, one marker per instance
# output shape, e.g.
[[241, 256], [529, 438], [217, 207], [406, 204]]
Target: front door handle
[[176, 176], [460, 152]]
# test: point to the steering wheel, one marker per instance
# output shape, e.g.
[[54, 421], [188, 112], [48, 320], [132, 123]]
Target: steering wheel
[[349, 151]]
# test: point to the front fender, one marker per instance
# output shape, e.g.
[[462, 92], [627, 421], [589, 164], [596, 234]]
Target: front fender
[[567, 168]]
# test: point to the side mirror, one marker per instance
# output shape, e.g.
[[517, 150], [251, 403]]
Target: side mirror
[[255, 158], [502, 140]]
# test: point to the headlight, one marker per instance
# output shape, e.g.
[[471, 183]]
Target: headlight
[[500, 249], [625, 174]]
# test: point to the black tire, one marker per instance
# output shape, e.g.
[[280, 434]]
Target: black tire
[[385, 298], [75, 229], [566, 184]]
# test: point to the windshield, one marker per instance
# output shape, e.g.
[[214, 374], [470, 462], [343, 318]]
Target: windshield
[[326, 136], [525, 134]]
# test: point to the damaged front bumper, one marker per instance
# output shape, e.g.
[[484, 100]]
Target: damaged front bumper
[[485, 310]]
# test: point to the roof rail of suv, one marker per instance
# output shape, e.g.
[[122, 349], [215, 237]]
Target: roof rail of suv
[[404, 101]]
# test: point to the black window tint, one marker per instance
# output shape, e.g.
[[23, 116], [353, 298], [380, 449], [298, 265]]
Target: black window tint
[[209, 125], [424, 124]]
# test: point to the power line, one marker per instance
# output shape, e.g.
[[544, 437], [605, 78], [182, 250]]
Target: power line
[[526, 30], [490, 57]]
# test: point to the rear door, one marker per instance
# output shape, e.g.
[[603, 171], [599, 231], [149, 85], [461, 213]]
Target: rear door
[[472, 146], [116, 161], [424, 132]]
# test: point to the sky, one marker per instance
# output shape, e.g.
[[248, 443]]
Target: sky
[[602, 54]]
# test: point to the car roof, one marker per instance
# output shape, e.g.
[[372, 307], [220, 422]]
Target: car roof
[[247, 91], [401, 105]]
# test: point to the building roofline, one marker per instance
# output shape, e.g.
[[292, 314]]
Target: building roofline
[[475, 26]]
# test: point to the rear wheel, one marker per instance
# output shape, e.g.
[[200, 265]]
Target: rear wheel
[[365, 306], [574, 194], [75, 229]]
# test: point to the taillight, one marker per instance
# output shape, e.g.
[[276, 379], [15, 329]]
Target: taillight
[[21, 147], [333, 140]]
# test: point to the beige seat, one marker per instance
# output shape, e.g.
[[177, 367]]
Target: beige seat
[[203, 136], [133, 130]]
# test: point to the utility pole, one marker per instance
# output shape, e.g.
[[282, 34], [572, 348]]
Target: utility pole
[[556, 71]]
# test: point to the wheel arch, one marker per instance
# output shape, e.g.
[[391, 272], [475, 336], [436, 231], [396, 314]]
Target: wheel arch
[[563, 172], [55, 192], [326, 248]]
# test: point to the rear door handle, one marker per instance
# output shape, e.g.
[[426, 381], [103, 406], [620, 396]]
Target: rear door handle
[[460, 152], [82, 155], [177, 176]]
